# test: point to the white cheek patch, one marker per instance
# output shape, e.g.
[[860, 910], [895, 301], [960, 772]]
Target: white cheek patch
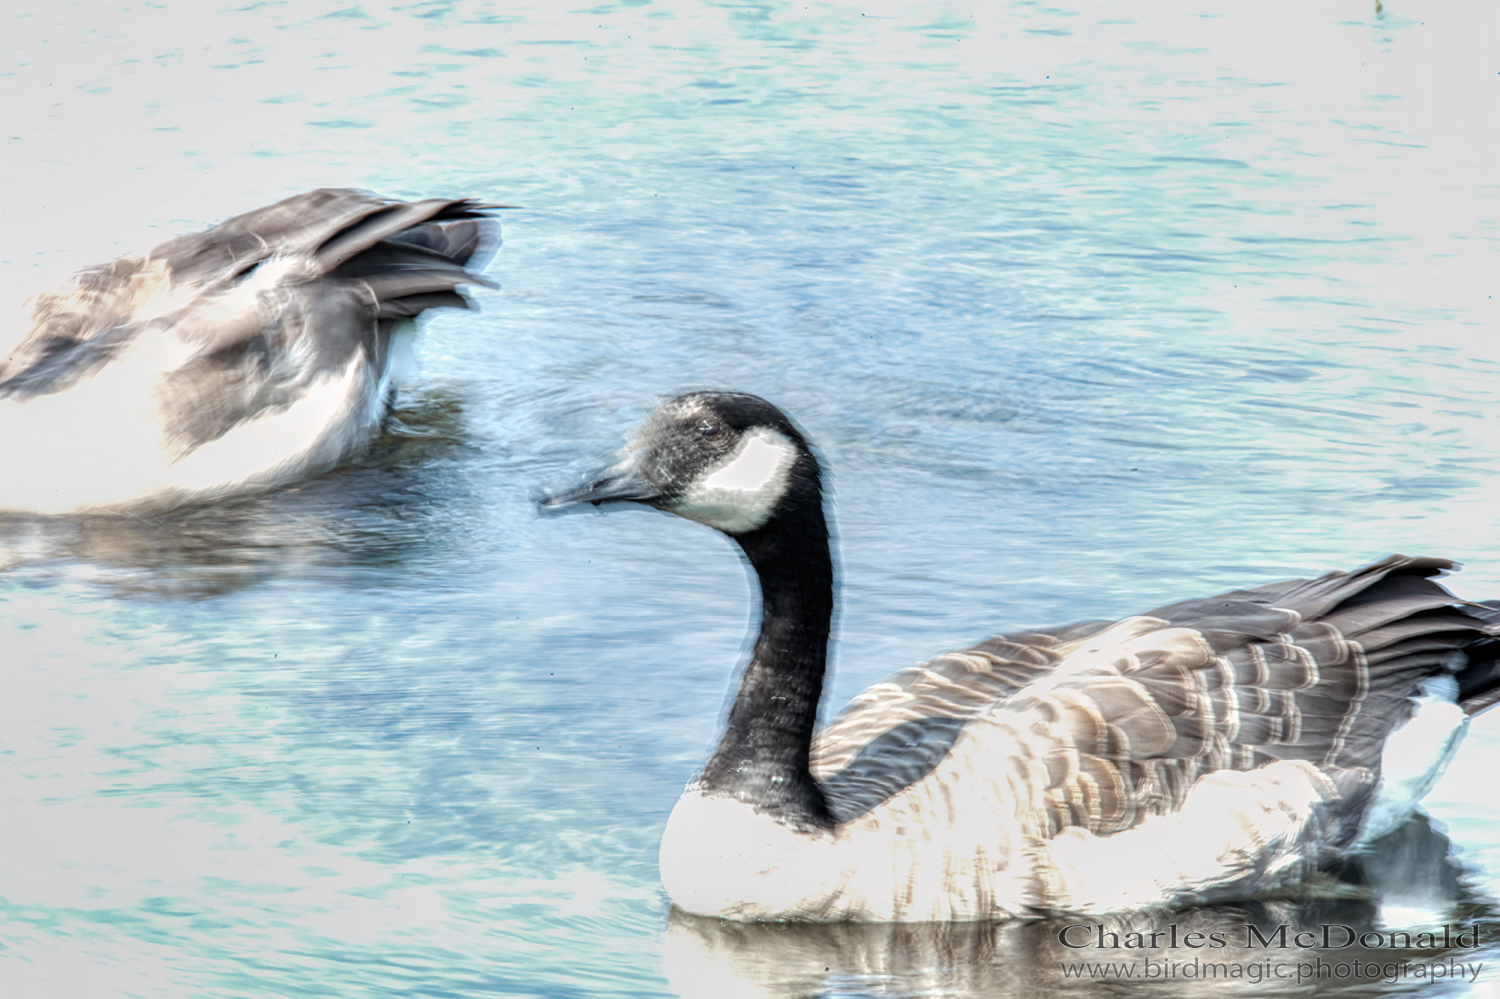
[[742, 492]]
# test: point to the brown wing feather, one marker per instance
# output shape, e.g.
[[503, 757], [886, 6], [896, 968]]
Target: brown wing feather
[[329, 227], [955, 685]]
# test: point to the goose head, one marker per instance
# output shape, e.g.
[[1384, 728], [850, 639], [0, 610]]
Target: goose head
[[726, 459], [736, 463]]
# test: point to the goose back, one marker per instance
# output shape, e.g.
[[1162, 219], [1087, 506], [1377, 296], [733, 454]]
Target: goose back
[[1318, 670], [1081, 750]]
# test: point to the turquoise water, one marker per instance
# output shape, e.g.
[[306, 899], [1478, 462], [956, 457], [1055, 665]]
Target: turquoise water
[[1087, 312]]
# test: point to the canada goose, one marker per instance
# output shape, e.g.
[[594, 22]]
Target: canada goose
[[1212, 748], [244, 357]]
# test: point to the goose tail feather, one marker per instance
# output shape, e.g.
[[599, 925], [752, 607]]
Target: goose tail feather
[[1479, 679]]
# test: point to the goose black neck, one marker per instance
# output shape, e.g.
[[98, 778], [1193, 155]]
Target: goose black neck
[[763, 757]]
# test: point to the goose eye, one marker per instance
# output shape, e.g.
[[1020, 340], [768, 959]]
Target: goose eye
[[709, 430]]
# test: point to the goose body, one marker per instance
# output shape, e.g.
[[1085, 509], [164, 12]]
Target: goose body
[[251, 355], [1210, 749]]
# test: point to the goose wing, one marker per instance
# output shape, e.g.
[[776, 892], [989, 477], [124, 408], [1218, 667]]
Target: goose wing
[[894, 733], [294, 303], [326, 244], [1118, 722]]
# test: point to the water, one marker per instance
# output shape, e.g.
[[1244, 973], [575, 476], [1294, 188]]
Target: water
[[1087, 312]]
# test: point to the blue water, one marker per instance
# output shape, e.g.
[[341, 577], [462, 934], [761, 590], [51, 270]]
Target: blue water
[[1087, 311]]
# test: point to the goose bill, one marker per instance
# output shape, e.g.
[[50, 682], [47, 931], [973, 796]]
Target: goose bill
[[622, 481]]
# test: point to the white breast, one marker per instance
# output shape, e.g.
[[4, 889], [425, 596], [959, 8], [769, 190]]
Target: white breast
[[720, 857], [100, 444]]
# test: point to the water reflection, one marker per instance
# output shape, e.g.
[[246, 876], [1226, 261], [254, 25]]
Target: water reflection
[[1409, 885], [376, 512]]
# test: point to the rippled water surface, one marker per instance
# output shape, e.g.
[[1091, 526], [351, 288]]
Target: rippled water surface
[[1087, 311]]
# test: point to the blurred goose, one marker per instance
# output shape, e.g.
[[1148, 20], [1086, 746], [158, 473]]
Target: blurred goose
[[251, 355], [1212, 748]]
